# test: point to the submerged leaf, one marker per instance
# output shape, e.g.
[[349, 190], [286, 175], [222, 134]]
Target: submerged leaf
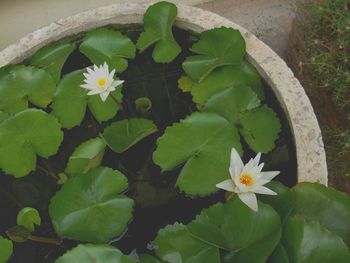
[[90, 207], [27, 134], [325, 205], [144, 258], [309, 242], [158, 22], [250, 236], [175, 244], [70, 102], [52, 58], [121, 135], [86, 156], [216, 47], [25, 84], [89, 253], [202, 142], [105, 45], [6, 248], [243, 75], [28, 217]]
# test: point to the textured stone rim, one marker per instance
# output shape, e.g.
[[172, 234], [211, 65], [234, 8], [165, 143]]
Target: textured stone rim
[[311, 158]]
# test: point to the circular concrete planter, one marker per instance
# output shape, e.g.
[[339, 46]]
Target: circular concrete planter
[[310, 152]]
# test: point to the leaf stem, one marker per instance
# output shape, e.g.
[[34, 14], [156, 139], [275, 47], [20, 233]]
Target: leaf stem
[[45, 240], [116, 101], [49, 173]]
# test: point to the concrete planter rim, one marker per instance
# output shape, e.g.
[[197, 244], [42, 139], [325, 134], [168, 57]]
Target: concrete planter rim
[[311, 158]]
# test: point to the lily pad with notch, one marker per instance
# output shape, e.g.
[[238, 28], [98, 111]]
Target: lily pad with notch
[[105, 45], [158, 22], [91, 207], [70, 102], [201, 143]]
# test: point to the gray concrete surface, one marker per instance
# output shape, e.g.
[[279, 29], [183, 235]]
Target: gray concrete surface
[[269, 20]]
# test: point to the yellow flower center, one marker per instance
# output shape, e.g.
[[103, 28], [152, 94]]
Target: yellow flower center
[[101, 82], [246, 179]]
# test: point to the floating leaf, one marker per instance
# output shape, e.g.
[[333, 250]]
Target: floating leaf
[[90, 207], [230, 103], [86, 156], [70, 102], [121, 135], [158, 22], [89, 253], [279, 255], [105, 45], [216, 47], [243, 75], [202, 142], [52, 58], [325, 205], [18, 234], [309, 242], [144, 258], [23, 84], [186, 83], [28, 217], [260, 128], [6, 248], [3, 116], [283, 202], [251, 236], [27, 134], [175, 244]]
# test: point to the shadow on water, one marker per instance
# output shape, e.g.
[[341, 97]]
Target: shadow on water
[[158, 202]]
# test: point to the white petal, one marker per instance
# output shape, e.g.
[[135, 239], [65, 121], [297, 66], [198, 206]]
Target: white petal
[[269, 175], [226, 185], [117, 82], [86, 86], [236, 161], [259, 168], [96, 68], [104, 95], [111, 75], [264, 190], [250, 200], [257, 159], [90, 71], [94, 92]]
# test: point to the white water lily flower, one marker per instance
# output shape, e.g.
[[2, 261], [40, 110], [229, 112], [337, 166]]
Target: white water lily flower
[[248, 180], [100, 81]]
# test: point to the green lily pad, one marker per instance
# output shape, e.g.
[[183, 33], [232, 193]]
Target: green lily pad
[[86, 156], [27, 134], [89, 253], [70, 102], [91, 207], [28, 217], [308, 242], [144, 258], [52, 58], [121, 135], [158, 22], [202, 142], [6, 248], [260, 128], [279, 255], [230, 103], [283, 202], [216, 47], [25, 84], [243, 75], [250, 236], [3, 116], [105, 45], [174, 244], [325, 205]]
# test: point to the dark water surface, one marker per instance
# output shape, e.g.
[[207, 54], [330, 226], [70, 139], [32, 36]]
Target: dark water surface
[[158, 203]]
